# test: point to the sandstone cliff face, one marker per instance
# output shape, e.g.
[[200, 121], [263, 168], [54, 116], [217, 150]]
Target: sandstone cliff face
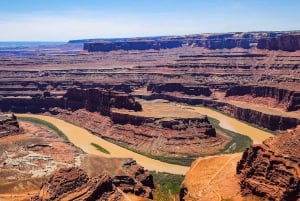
[[178, 87], [99, 100], [199, 127], [271, 170], [74, 184], [261, 40], [8, 125], [285, 42], [135, 180], [290, 100]]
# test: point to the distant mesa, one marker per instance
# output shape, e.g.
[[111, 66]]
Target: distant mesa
[[285, 41]]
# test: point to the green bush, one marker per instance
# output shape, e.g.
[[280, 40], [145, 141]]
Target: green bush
[[99, 148]]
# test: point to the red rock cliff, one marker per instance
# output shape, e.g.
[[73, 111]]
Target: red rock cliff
[[272, 170], [99, 100]]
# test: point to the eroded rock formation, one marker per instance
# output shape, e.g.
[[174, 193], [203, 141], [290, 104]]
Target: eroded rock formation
[[135, 180], [178, 87], [8, 125], [271, 170], [75, 184], [99, 100]]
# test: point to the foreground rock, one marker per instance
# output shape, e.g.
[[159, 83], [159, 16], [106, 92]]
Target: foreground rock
[[75, 184], [271, 170]]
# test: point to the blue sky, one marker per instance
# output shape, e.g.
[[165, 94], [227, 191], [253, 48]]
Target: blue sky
[[62, 20]]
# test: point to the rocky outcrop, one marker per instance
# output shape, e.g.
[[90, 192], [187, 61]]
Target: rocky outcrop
[[8, 125], [135, 180], [271, 170], [75, 184], [179, 87], [270, 121], [93, 100], [201, 125], [288, 99], [286, 42], [99, 100]]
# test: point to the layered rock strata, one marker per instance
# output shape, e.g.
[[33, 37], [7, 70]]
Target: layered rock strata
[[271, 170], [263, 119], [203, 66], [179, 87], [286, 42], [288, 99], [178, 137], [268, 40], [75, 184], [99, 100], [157, 135]]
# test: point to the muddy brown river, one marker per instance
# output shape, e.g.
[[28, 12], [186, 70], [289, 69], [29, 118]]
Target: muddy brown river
[[83, 139]]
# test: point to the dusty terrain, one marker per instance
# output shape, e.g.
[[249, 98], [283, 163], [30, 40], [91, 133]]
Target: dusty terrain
[[212, 178], [29, 158], [267, 171]]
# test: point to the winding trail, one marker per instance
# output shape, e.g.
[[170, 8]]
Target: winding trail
[[83, 139], [217, 173]]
